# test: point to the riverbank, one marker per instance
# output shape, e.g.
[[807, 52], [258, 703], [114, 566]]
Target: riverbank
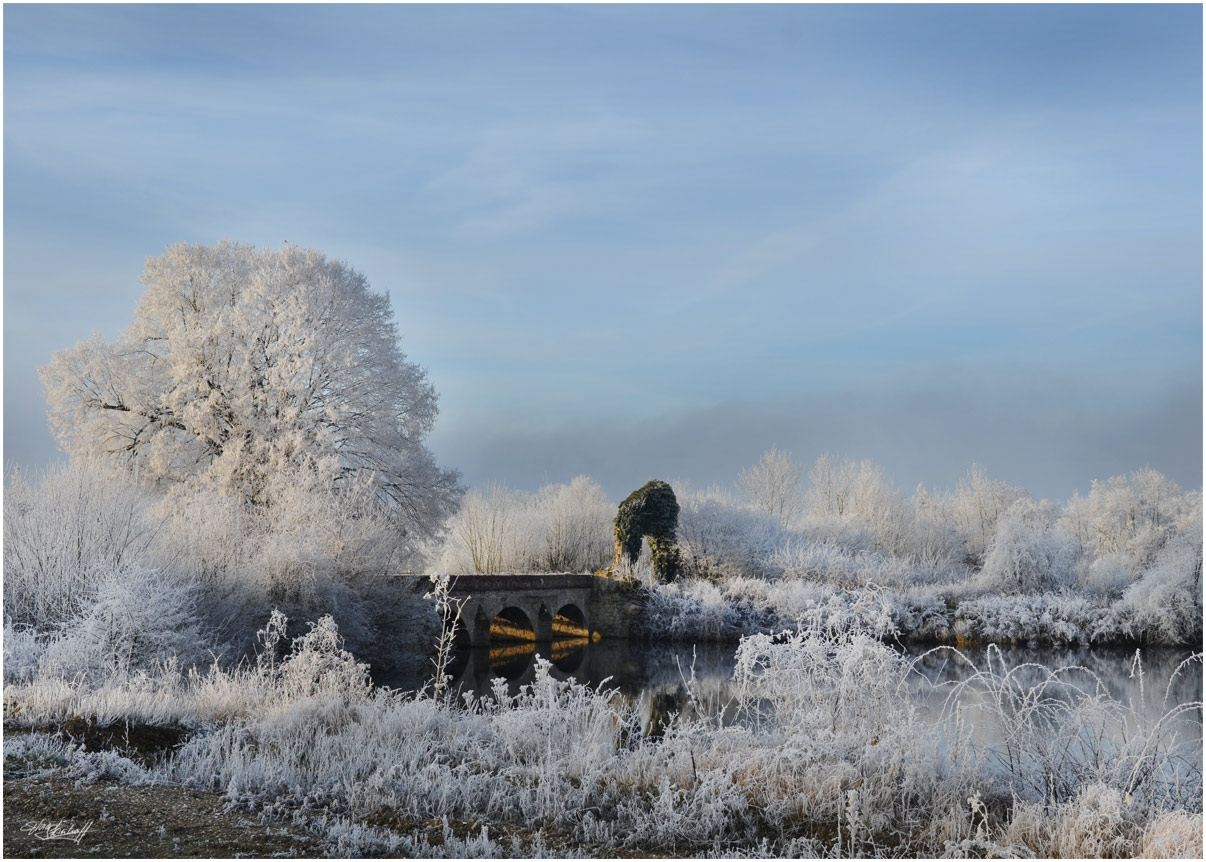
[[726, 610]]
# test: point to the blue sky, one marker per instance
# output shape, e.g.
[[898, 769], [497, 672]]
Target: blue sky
[[637, 241]]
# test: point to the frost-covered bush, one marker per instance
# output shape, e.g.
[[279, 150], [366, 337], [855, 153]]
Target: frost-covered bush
[[691, 609], [832, 563], [1165, 604], [139, 619], [23, 649], [63, 530], [1172, 835], [574, 526], [560, 528], [1027, 559], [720, 538], [694, 610], [1106, 577], [1048, 618], [318, 665]]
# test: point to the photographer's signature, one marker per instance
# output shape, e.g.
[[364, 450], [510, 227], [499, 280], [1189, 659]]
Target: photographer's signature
[[56, 830]]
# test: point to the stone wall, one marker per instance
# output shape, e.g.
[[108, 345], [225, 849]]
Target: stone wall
[[616, 607]]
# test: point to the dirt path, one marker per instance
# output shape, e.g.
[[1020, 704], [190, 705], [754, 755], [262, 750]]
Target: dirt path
[[52, 817]]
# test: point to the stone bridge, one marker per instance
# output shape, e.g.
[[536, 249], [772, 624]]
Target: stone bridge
[[542, 608]]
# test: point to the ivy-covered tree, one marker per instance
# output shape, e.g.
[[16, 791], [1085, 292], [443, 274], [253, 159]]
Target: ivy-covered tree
[[651, 512]]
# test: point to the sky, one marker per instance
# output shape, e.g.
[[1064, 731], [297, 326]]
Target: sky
[[646, 241]]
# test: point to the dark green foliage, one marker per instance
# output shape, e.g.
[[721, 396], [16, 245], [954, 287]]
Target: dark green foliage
[[665, 556], [652, 511]]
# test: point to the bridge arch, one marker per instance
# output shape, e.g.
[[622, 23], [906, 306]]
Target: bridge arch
[[513, 623], [570, 622]]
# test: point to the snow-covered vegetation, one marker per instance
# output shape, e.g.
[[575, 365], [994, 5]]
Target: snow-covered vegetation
[[838, 748], [560, 528], [982, 563], [254, 440]]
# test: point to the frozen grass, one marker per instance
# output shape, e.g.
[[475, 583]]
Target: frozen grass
[[838, 750]]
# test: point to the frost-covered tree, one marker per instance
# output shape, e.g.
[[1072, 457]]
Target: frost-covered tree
[[977, 505], [561, 528], [248, 370], [484, 535], [773, 486], [832, 485], [1133, 514], [575, 521]]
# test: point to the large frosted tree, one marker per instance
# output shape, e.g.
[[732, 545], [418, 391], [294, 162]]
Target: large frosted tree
[[248, 371]]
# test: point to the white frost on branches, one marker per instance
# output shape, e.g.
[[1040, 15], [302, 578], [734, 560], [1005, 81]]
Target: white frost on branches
[[247, 371]]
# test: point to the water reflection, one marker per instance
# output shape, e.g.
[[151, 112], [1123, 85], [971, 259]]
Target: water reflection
[[654, 678], [1149, 681]]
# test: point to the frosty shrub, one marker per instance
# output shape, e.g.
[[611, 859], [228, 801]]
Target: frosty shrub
[[1172, 835], [561, 528], [1049, 618], [63, 530], [1026, 559], [691, 609], [1165, 604], [23, 648], [832, 563], [720, 538], [1106, 577], [573, 529], [139, 619], [318, 665]]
